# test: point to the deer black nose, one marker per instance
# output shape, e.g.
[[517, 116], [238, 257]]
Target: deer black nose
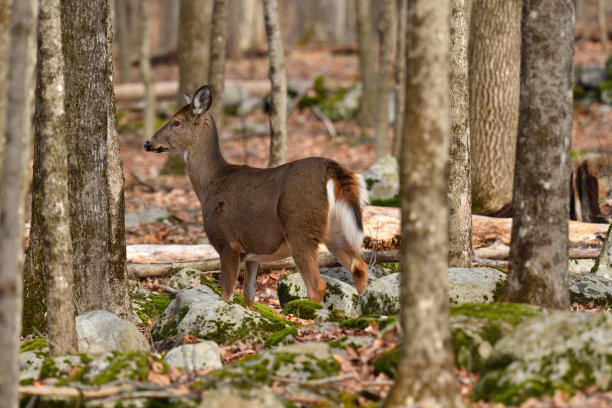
[[147, 146]]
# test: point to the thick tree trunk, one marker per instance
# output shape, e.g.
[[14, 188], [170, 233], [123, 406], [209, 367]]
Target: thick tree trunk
[[22, 62], [603, 26], [539, 246], [95, 175], [367, 62], [193, 46], [425, 370], [50, 215], [5, 47], [123, 40], [400, 76], [218, 40], [495, 56], [385, 71], [278, 81], [170, 26], [145, 70], [459, 191]]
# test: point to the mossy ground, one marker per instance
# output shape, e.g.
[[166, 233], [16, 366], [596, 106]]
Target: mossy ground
[[302, 308]]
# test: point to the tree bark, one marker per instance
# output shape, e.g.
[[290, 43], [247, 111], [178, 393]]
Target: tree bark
[[494, 97], [5, 47], [22, 62], [145, 70], [216, 78], [459, 191], [539, 245], [385, 71], [123, 40], [50, 206], [278, 82], [603, 26], [400, 76], [193, 46], [425, 371], [367, 62], [170, 26], [95, 175]]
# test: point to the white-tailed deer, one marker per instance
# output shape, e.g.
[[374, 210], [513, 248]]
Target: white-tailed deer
[[255, 215]]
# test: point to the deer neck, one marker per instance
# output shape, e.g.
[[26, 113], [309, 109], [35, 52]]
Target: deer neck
[[204, 159]]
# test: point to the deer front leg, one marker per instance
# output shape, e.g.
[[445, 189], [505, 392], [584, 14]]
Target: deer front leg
[[250, 282], [230, 264], [305, 257]]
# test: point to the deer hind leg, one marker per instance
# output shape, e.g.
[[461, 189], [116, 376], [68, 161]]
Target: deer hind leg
[[250, 282], [351, 260], [305, 256], [230, 264]]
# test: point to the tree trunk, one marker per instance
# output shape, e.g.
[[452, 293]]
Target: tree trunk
[[5, 47], [278, 81], [50, 214], [459, 192], [385, 70], [367, 62], [217, 60], [193, 46], [539, 246], [95, 175], [400, 76], [145, 70], [170, 26], [22, 61], [603, 26], [425, 371], [495, 56], [123, 40]]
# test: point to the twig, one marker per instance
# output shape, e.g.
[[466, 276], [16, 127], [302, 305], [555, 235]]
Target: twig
[[49, 391], [329, 126], [328, 380], [168, 289]]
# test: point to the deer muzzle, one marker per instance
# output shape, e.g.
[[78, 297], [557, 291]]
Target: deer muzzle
[[149, 148]]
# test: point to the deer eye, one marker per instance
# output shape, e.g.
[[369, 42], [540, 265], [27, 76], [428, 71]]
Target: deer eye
[[176, 123]]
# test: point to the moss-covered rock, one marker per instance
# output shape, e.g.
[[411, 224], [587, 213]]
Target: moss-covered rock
[[302, 308], [238, 397], [603, 263], [563, 351], [99, 331], [381, 297], [387, 363], [590, 288], [191, 357], [148, 306], [475, 285], [283, 336], [186, 277], [364, 321]]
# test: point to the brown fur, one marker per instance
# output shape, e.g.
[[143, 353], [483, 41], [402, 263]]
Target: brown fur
[[251, 213]]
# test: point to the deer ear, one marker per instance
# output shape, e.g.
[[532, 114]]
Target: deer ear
[[187, 97], [202, 100]]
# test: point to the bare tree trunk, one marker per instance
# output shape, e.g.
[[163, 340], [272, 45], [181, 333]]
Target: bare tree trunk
[[145, 70], [400, 76], [216, 78], [5, 48], [50, 205], [18, 130], [278, 80], [539, 246], [494, 75], [385, 72], [96, 179], [170, 26], [425, 373], [123, 40], [194, 46], [367, 62], [603, 26], [460, 191]]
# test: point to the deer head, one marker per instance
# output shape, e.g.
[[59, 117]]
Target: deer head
[[178, 133]]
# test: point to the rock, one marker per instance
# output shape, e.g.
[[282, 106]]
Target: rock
[[590, 77], [381, 297], [233, 96], [590, 288], [603, 264], [110, 367], [100, 331], [342, 274], [344, 104], [581, 266], [186, 277], [192, 357], [561, 351], [383, 178], [248, 105], [133, 219], [302, 308], [251, 127], [339, 295], [198, 310], [148, 306], [238, 397], [30, 364], [475, 285]]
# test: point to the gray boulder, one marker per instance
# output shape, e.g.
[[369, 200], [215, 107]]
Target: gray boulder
[[590, 77], [100, 331], [475, 285], [342, 274], [603, 264], [590, 288], [383, 178], [562, 351], [239, 397], [381, 297], [192, 357], [248, 105], [339, 295], [233, 96]]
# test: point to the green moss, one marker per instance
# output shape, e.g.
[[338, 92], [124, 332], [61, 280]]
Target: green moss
[[183, 312], [338, 343], [48, 369], [302, 308], [606, 239], [37, 343], [390, 202], [512, 313], [284, 292], [391, 267], [278, 337], [328, 367], [387, 363], [133, 365], [336, 315]]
